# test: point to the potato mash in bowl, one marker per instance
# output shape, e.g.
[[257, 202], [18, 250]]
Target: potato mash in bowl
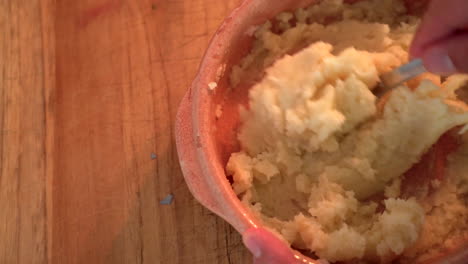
[[334, 170]]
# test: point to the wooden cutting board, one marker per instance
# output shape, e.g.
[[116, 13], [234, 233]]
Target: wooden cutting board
[[88, 94]]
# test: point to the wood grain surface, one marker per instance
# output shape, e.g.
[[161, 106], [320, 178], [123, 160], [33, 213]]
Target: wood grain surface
[[88, 94]]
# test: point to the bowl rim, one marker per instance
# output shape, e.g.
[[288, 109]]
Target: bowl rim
[[212, 173]]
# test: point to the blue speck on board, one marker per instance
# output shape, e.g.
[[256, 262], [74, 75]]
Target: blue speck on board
[[167, 200], [153, 156]]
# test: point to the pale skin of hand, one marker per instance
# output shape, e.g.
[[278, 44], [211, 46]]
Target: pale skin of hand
[[268, 249], [442, 38], [442, 42]]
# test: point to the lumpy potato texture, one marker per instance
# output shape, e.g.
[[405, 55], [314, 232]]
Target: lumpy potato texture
[[323, 160]]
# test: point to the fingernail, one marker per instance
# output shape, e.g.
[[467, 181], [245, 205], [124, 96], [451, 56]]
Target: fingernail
[[251, 244], [437, 60]]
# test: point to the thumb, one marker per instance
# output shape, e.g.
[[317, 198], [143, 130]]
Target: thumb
[[267, 248], [447, 56]]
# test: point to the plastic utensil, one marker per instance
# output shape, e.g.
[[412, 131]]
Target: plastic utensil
[[399, 75]]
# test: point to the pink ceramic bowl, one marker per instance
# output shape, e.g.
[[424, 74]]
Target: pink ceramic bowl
[[205, 141]]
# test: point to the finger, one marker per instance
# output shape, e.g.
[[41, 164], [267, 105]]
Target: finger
[[443, 18], [416, 6], [267, 248], [447, 56]]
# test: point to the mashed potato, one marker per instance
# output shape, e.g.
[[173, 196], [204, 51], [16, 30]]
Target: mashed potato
[[323, 161]]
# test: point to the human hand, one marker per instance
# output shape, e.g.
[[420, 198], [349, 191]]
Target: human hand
[[442, 38], [267, 248]]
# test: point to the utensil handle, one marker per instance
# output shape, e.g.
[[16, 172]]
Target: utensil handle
[[412, 69], [403, 73]]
